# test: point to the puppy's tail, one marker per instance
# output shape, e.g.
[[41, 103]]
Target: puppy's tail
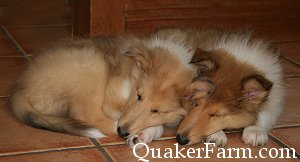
[[60, 124], [60, 121]]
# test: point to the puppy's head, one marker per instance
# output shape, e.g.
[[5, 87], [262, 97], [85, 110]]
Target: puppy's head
[[226, 95], [164, 73]]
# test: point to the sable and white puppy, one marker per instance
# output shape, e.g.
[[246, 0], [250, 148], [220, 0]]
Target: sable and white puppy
[[106, 85], [239, 86]]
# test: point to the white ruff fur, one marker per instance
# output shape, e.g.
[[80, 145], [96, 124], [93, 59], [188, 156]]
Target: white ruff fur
[[257, 54], [179, 50]]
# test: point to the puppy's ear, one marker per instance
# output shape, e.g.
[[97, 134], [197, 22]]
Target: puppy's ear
[[140, 55], [255, 89], [200, 88], [203, 61]]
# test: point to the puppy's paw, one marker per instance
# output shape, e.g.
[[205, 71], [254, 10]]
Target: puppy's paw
[[145, 136], [135, 139], [255, 136], [219, 138]]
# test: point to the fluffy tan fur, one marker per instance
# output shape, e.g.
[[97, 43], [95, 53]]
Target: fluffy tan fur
[[79, 85]]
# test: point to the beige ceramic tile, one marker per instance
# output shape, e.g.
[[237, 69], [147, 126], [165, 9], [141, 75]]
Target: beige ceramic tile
[[289, 68], [289, 136], [10, 69], [81, 155], [6, 49], [291, 50], [291, 112]]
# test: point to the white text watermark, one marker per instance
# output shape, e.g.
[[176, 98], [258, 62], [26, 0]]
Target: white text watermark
[[208, 151]]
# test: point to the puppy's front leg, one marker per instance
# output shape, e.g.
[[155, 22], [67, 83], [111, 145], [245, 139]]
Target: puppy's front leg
[[219, 138], [145, 136], [255, 136]]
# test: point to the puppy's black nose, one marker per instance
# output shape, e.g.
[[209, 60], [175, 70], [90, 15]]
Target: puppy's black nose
[[122, 133], [182, 140]]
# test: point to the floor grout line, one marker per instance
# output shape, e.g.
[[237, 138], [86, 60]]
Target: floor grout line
[[44, 151], [282, 144], [15, 44], [287, 126], [112, 144], [290, 60], [292, 76], [102, 150]]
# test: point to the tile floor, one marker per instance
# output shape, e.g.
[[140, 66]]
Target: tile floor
[[21, 36]]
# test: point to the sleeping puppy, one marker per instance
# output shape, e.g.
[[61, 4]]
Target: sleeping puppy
[[239, 86], [106, 85]]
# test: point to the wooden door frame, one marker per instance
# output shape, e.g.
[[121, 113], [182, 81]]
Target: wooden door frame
[[92, 17]]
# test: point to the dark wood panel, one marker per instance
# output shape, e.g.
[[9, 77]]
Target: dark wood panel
[[81, 16], [278, 20], [92, 17], [108, 17], [274, 31], [173, 4], [233, 12]]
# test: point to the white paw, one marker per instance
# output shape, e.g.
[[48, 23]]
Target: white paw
[[255, 136], [145, 136], [139, 138], [219, 138]]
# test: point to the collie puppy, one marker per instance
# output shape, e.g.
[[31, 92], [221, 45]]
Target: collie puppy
[[105, 85], [239, 86]]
